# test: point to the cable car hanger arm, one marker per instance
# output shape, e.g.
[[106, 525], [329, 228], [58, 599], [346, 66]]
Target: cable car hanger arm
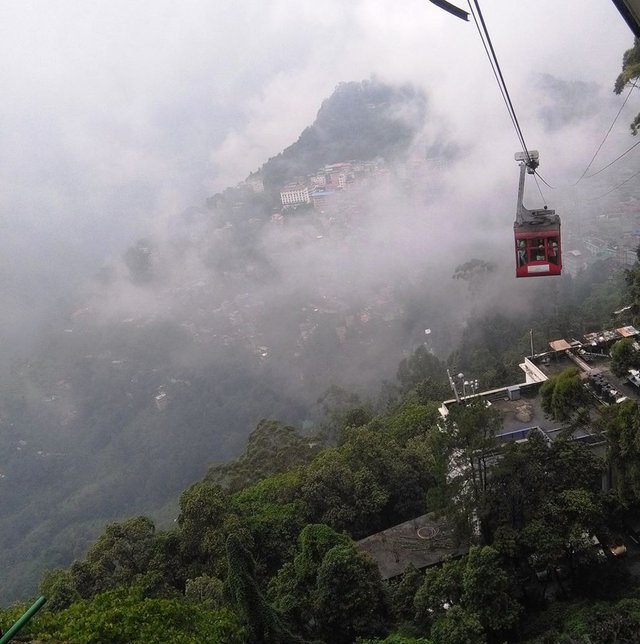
[[452, 9]]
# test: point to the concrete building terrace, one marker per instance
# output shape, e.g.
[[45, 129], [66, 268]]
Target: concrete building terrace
[[424, 541], [519, 405]]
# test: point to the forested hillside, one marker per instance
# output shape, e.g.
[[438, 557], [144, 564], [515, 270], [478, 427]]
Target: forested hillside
[[164, 363], [263, 547], [360, 121]]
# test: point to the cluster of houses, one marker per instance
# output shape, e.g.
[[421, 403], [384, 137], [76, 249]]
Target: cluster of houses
[[319, 186]]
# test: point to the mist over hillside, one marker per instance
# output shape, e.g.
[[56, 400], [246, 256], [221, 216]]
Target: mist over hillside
[[230, 312], [240, 309]]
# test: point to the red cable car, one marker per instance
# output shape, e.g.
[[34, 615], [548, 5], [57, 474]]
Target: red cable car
[[536, 232]]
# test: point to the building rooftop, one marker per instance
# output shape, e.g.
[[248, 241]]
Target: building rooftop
[[591, 357], [559, 345], [424, 541], [555, 362], [523, 414]]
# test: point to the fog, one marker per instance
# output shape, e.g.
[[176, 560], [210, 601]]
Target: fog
[[120, 121], [116, 117]]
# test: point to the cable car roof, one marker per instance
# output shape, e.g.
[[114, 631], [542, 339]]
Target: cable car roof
[[630, 10]]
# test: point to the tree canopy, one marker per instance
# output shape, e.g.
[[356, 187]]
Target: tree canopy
[[630, 73]]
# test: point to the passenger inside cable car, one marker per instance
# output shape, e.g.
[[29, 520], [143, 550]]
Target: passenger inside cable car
[[537, 252]]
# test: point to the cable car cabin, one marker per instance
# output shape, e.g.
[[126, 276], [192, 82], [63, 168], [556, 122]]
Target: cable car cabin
[[536, 232], [538, 247]]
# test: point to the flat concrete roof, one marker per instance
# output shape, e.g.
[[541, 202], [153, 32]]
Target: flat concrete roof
[[554, 363], [424, 541], [522, 414], [559, 345], [627, 331]]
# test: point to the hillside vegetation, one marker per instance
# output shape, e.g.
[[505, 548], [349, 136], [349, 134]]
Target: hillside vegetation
[[84, 440], [263, 547], [360, 121]]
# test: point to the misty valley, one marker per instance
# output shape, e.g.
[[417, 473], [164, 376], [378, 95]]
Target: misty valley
[[170, 357]]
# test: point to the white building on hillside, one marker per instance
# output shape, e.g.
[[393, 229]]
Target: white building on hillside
[[294, 194]]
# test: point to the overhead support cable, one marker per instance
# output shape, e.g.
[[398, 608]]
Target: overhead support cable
[[582, 176], [497, 77], [616, 159], [633, 176]]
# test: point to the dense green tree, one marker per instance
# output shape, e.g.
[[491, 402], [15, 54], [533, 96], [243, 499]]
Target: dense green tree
[[121, 617], [293, 588], [264, 622], [330, 590], [373, 480], [120, 556], [166, 570], [412, 419], [624, 357], [593, 622], [423, 371], [404, 473], [458, 626], [88, 579], [477, 585], [273, 513], [349, 597], [563, 394], [124, 545], [205, 590], [470, 430], [59, 589], [204, 510], [272, 448], [345, 499], [486, 590], [621, 425], [544, 503], [630, 73], [402, 592], [441, 589]]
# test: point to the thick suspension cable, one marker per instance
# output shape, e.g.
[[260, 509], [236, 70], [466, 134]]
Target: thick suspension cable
[[499, 76]]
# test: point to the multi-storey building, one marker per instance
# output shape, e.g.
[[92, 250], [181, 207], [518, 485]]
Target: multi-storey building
[[294, 194]]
